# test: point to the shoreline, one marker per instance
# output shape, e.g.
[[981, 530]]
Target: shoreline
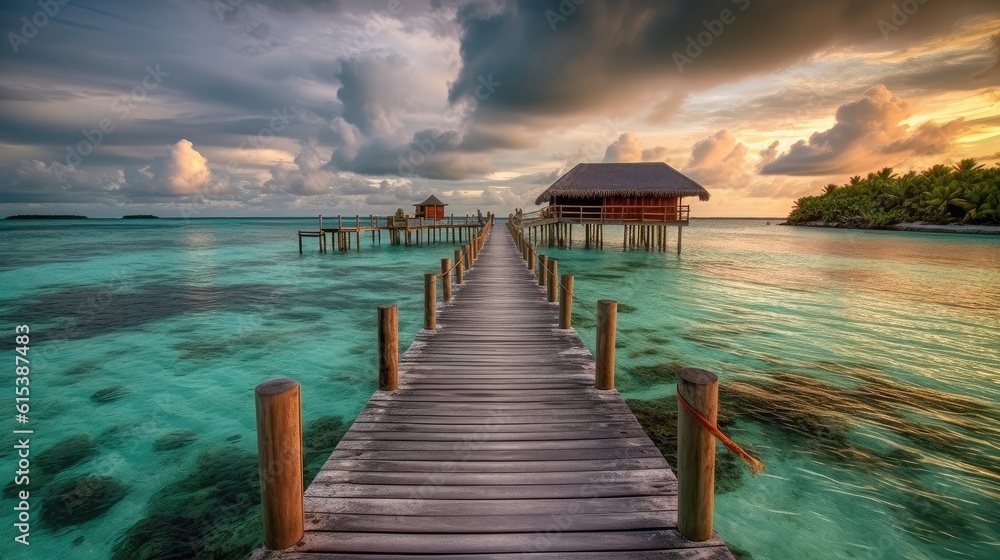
[[912, 226]]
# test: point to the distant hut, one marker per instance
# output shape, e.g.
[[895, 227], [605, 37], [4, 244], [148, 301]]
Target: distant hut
[[430, 209], [645, 198]]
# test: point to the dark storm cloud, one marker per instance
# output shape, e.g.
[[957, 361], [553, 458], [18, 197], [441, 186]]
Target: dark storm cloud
[[559, 60]]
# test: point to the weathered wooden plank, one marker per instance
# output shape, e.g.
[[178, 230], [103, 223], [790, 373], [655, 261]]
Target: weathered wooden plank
[[522, 523], [492, 491], [470, 479], [472, 507], [719, 552]]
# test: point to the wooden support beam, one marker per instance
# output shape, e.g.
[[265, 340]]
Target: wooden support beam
[[430, 301], [279, 451], [566, 302], [446, 279], [696, 453], [607, 324], [388, 348]]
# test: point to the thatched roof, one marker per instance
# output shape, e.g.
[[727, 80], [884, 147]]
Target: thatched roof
[[655, 179], [431, 201]]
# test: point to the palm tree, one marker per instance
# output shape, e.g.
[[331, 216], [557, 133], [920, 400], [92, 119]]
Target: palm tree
[[944, 200], [981, 203], [886, 174], [857, 179], [829, 189], [967, 170]]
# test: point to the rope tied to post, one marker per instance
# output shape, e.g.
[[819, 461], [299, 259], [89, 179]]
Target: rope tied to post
[[755, 464]]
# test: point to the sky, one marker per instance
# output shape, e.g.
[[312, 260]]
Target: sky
[[302, 107]]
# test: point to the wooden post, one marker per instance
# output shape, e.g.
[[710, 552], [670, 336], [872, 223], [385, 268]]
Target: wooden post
[[459, 261], [388, 348], [607, 323], [553, 281], [543, 267], [279, 451], [300, 242], [566, 302], [467, 251], [430, 301], [679, 229], [696, 453], [446, 279], [531, 258]]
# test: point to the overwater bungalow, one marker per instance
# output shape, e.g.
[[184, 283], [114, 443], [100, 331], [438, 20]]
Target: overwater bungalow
[[430, 209], [645, 198]]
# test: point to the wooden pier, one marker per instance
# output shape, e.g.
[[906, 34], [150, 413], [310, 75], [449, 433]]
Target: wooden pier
[[496, 443], [405, 230]]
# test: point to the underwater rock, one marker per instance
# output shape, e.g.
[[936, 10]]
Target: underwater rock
[[79, 499], [65, 453], [109, 394], [199, 512], [659, 420], [175, 440]]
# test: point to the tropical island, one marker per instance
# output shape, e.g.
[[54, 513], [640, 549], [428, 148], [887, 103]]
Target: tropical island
[[45, 217], [140, 217], [965, 194]]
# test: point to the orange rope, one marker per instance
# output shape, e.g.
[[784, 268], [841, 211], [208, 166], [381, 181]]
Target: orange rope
[[755, 464]]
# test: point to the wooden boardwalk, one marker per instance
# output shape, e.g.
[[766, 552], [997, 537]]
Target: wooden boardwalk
[[496, 445]]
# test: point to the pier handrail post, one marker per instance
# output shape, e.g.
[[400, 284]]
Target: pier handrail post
[[459, 262], [467, 251], [566, 302], [553, 281], [279, 451], [388, 348], [446, 279], [543, 267], [430, 301], [532, 257], [607, 323], [696, 453]]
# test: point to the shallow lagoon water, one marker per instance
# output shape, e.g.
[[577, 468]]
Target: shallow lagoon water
[[862, 367]]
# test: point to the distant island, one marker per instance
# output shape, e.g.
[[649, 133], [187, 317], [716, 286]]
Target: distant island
[[45, 217], [140, 217], [964, 197]]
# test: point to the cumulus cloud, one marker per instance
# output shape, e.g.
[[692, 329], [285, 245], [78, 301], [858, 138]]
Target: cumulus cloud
[[375, 91], [719, 158], [865, 130], [182, 172], [628, 148]]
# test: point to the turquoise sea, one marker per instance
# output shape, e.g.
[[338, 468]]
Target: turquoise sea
[[862, 367]]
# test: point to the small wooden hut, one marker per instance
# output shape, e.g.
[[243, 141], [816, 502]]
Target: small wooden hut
[[430, 209], [645, 198]]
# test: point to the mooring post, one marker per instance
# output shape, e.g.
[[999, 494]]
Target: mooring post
[[446, 279], [679, 229], [459, 260], [467, 251], [300, 241], [543, 267], [607, 323], [553, 281], [430, 301], [279, 451], [388, 348], [532, 257], [696, 453], [566, 302]]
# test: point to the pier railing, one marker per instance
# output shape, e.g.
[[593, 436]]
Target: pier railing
[[465, 258], [609, 213]]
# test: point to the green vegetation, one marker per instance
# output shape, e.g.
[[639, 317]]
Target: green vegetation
[[139, 217], [967, 193], [45, 217]]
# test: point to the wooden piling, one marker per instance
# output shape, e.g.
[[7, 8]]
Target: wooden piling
[[388, 348], [543, 267], [467, 252], [446, 279], [607, 323], [566, 302], [459, 260], [532, 257], [696, 453], [430, 301], [279, 450], [553, 281], [679, 229]]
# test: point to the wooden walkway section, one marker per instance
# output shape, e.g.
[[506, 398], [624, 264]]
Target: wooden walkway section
[[496, 445]]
